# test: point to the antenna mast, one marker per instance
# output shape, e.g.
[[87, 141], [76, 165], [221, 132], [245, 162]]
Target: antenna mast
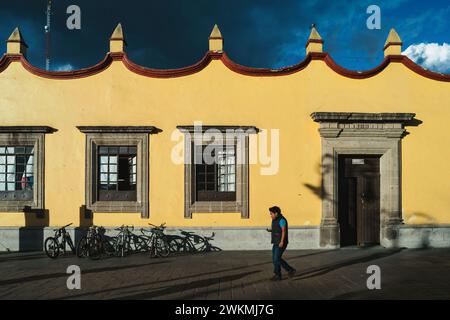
[[47, 35]]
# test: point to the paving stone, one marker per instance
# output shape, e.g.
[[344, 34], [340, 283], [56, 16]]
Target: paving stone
[[321, 274]]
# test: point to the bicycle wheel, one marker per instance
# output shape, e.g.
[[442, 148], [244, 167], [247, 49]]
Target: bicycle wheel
[[109, 245], [82, 248], [51, 247], [162, 247], [121, 247], [95, 248], [186, 247], [176, 244], [141, 243], [200, 244]]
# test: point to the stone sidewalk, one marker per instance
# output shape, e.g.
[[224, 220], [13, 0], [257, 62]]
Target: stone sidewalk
[[326, 274]]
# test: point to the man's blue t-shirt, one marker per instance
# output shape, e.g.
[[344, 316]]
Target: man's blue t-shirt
[[282, 223]]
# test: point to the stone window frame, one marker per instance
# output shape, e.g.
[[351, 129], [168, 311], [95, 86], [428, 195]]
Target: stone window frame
[[346, 133], [27, 135], [240, 138], [115, 136]]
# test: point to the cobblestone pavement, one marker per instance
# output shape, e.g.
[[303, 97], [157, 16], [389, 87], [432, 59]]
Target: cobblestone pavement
[[321, 274]]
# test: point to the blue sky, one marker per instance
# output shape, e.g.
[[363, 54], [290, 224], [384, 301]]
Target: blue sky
[[267, 33]]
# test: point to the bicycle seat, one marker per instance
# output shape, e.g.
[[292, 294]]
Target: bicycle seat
[[186, 233]]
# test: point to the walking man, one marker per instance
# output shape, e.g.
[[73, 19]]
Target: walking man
[[280, 241]]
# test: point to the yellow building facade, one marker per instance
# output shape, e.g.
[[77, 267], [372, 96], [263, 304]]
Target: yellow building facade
[[350, 157]]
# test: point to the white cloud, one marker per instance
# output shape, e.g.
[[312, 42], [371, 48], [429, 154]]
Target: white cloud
[[430, 56], [64, 67]]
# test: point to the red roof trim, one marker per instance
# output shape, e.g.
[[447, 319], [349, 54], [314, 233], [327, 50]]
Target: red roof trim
[[6, 60]]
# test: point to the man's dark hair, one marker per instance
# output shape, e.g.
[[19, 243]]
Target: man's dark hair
[[275, 209]]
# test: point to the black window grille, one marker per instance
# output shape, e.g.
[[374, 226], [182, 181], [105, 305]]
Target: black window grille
[[16, 168], [214, 175], [117, 173]]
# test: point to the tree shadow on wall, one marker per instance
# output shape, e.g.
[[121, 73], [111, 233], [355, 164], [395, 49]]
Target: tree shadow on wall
[[321, 169]]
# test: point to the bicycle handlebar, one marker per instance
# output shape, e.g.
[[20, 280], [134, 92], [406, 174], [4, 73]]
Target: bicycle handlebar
[[61, 228], [161, 226], [123, 227]]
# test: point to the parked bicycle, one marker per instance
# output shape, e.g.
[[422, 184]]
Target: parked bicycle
[[127, 242], [156, 240], [54, 245], [95, 243]]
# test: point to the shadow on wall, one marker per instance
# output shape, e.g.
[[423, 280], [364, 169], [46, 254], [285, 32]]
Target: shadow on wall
[[322, 170], [425, 232], [413, 123], [86, 220], [190, 242], [31, 236]]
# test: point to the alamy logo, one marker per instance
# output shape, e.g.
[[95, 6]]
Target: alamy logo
[[74, 20], [374, 280], [74, 280], [374, 20], [263, 149]]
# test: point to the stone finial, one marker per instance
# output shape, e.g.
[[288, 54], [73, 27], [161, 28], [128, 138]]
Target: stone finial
[[117, 41], [393, 44], [215, 40], [315, 42], [16, 44]]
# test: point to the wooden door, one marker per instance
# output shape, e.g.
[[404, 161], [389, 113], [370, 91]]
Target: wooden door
[[359, 200]]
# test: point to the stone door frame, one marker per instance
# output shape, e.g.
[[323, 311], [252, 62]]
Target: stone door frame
[[344, 133]]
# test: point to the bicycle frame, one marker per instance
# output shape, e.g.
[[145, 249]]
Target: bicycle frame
[[59, 241], [123, 243]]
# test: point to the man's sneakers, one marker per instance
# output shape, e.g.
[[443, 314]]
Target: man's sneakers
[[292, 273], [278, 278], [275, 278]]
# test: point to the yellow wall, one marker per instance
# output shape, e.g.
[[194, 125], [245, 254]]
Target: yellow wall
[[217, 95]]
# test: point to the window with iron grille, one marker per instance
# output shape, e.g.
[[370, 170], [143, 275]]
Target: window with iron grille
[[117, 173], [214, 173], [216, 169], [117, 165], [16, 172], [22, 167]]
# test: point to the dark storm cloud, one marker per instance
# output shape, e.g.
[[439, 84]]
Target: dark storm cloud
[[171, 34]]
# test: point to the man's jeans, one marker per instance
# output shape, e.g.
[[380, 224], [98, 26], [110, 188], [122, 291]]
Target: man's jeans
[[278, 262]]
